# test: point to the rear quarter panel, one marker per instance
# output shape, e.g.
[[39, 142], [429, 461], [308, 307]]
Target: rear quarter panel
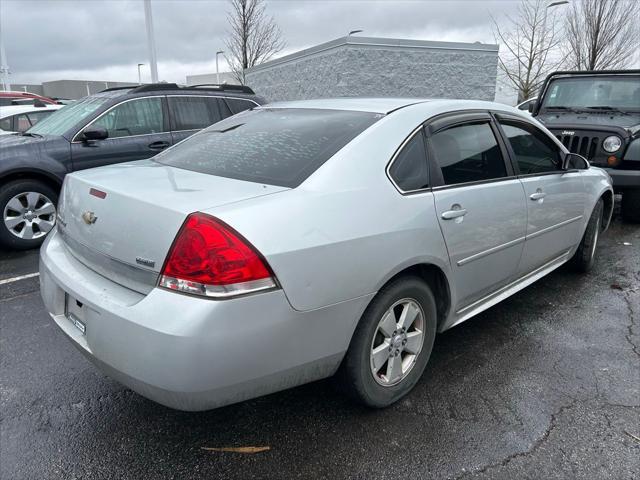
[[346, 230]]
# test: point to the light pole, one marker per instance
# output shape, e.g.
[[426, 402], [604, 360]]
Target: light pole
[[354, 31], [139, 75], [551, 4], [217, 69], [151, 40], [4, 68]]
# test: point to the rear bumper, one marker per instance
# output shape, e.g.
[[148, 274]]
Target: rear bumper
[[624, 179], [190, 353]]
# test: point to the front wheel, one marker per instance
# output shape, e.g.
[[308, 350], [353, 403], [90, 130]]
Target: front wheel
[[28, 209], [584, 258], [391, 345]]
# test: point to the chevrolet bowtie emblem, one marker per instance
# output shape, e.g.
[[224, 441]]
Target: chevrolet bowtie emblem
[[89, 218]]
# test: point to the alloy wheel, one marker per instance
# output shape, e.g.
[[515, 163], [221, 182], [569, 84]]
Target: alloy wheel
[[397, 342], [29, 215]]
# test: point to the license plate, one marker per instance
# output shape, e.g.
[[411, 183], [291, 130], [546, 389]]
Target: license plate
[[75, 311]]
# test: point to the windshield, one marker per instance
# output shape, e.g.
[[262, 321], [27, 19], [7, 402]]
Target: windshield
[[273, 146], [65, 118], [618, 92]]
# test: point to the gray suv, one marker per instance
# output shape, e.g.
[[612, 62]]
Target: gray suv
[[113, 126]]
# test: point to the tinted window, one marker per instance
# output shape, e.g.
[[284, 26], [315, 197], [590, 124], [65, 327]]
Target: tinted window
[[236, 105], [190, 113], [5, 124], [22, 123], [35, 117], [274, 146], [534, 151], [409, 169], [468, 153], [135, 117]]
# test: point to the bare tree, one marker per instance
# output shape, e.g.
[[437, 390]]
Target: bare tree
[[253, 38], [528, 44], [602, 34]]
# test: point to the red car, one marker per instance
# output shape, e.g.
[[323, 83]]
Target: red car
[[22, 98]]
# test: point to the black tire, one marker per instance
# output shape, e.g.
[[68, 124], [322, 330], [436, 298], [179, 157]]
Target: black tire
[[584, 258], [7, 192], [355, 376], [631, 206]]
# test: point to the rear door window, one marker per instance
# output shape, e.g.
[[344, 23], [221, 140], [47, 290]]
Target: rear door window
[[273, 146], [193, 113], [468, 153]]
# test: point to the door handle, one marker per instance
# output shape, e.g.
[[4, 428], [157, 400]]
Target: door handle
[[158, 145], [539, 195], [458, 212]]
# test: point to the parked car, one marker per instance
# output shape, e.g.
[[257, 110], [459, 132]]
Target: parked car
[[597, 114], [21, 118], [117, 125], [527, 104], [294, 241], [8, 97]]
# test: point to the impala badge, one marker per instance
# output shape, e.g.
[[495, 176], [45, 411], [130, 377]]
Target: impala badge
[[89, 218]]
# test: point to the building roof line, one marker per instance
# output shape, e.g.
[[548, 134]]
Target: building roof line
[[376, 42]]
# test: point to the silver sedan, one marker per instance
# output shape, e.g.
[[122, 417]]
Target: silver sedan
[[300, 240]]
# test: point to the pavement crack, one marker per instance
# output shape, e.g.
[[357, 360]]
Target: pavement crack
[[631, 325], [531, 450]]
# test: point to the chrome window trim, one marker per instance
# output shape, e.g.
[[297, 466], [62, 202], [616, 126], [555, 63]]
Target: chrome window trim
[[475, 182], [395, 156], [74, 139]]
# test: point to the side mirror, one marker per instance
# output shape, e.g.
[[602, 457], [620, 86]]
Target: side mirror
[[94, 133], [573, 160]]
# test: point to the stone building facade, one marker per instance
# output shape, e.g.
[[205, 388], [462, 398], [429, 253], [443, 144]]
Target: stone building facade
[[380, 67]]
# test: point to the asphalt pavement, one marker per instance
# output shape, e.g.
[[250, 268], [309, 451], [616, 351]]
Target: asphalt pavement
[[544, 385]]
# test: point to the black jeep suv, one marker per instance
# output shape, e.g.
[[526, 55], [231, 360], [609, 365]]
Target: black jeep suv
[[116, 125], [597, 115]]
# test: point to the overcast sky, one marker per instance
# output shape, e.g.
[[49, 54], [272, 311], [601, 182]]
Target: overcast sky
[[106, 39]]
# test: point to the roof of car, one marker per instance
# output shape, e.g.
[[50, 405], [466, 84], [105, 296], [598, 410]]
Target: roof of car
[[8, 110], [387, 105]]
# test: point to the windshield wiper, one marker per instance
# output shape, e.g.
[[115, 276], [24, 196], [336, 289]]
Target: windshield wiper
[[607, 108], [30, 134], [564, 109]]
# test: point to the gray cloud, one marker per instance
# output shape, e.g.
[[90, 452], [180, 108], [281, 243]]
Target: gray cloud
[[105, 40]]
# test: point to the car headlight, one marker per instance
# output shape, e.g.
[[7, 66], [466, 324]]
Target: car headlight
[[612, 144]]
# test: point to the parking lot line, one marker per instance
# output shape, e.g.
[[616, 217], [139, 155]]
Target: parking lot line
[[21, 277]]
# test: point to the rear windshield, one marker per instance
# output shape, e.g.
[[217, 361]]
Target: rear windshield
[[273, 146]]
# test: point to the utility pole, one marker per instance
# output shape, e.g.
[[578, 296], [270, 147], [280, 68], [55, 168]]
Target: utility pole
[[217, 69], [4, 68], [151, 41], [139, 75]]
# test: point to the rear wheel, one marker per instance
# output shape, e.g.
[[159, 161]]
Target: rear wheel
[[391, 345], [584, 258], [631, 206], [28, 209]]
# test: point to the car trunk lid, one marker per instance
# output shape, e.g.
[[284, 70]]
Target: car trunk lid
[[121, 220]]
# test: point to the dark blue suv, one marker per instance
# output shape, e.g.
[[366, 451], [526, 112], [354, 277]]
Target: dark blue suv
[[113, 126]]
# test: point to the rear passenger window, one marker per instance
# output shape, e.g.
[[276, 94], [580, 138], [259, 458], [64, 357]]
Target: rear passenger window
[[535, 152], [194, 113], [468, 153], [409, 169], [237, 105]]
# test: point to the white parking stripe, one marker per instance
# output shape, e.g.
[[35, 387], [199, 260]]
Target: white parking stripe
[[21, 277]]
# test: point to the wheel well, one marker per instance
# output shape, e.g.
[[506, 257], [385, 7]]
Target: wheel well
[[607, 198], [47, 180], [437, 281]]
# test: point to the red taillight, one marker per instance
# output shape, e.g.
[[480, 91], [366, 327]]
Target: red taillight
[[210, 258]]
